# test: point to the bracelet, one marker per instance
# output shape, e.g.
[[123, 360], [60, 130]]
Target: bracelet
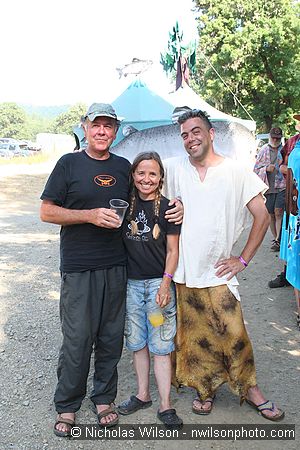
[[245, 264], [168, 275]]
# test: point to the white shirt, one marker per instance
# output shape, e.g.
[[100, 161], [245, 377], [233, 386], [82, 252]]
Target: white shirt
[[215, 214]]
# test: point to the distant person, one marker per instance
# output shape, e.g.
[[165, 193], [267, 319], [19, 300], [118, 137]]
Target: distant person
[[93, 268], [266, 167], [80, 139], [281, 280], [292, 225], [152, 248], [219, 195]]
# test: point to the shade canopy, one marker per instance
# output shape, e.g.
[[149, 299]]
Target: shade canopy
[[141, 108]]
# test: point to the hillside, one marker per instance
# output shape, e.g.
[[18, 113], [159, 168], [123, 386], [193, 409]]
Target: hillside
[[48, 112]]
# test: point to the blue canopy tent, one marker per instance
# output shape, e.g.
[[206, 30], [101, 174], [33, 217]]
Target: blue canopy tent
[[141, 108]]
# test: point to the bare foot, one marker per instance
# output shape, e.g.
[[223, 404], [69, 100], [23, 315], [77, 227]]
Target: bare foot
[[65, 427], [255, 396], [203, 407], [109, 418]]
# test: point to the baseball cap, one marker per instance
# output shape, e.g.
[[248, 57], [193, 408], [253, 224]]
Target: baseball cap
[[296, 117], [276, 132], [101, 110]]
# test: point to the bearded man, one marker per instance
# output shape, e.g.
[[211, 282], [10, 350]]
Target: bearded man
[[266, 167]]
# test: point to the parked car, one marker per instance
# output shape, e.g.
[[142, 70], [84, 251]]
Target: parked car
[[5, 152], [33, 146], [17, 148], [22, 152]]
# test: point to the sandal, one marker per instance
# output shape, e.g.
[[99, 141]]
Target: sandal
[[203, 412], [267, 406], [106, 412], [69, 422], [170, 419], [132, 405]]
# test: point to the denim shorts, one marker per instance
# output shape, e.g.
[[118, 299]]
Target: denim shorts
[[138, 330], [274, 201]]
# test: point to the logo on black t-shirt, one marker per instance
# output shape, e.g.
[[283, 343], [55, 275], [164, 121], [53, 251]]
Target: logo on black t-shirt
[[141, 222], [105, 180]]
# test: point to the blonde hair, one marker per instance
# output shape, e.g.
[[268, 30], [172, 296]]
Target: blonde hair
[[134, 192]]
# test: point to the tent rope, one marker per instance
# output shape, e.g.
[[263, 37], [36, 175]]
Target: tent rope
[[235, 97]]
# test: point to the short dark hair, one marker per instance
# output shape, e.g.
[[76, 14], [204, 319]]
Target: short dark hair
[[191, 113]]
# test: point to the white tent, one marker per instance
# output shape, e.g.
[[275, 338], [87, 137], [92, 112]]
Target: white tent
[[185, 96]]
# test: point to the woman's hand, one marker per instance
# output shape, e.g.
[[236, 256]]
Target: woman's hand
[[163, 295]]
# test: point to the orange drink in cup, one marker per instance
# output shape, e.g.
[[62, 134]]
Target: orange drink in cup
[[156, 318]]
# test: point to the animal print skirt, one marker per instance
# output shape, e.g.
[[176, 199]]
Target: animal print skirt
[[212, 344]]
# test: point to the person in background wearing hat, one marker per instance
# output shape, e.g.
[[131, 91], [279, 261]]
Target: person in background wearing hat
[[266, 167], [280, 280], [93, 267]]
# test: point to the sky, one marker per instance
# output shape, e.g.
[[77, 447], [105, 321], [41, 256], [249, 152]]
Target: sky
[[56, 52]]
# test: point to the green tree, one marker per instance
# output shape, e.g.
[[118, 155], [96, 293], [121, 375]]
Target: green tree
[[36, 124], [65, 122], [12, 120], [254, 46]]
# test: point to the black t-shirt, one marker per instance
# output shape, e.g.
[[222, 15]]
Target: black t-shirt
[[81, 182], [146, 255]]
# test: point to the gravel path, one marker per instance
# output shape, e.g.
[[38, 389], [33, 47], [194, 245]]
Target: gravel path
[[30, 338]]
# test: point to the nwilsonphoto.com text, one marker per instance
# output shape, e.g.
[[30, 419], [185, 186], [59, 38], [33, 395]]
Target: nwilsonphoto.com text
[[188, 432]]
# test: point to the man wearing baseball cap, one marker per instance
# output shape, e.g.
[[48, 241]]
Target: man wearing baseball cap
[[93, 267], [266, 167]]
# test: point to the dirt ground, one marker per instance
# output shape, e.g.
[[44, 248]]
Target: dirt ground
[[30, 338]]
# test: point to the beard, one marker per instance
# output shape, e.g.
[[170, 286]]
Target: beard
[[274, 144]]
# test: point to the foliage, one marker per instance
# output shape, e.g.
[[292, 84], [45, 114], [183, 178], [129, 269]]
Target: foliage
[[16, 124], [65, 122], [12, 120], [254, 46], [36, 124]]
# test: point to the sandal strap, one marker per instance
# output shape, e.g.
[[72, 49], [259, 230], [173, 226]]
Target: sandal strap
[[207, 400], [64, 421], [110, 410], [267, 406]]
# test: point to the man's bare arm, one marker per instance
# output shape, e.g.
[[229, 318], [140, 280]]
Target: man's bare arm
[[101, 217], [261, 221]]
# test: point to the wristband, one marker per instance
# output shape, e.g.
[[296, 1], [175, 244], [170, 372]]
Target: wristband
[[245, 264], [168, 275]]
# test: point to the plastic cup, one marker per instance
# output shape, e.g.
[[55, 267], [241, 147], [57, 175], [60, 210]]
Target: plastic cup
[[120, 207], [156, 318]]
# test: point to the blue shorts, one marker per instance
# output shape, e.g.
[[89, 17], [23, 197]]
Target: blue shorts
[[138, 330], [275, 201]]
